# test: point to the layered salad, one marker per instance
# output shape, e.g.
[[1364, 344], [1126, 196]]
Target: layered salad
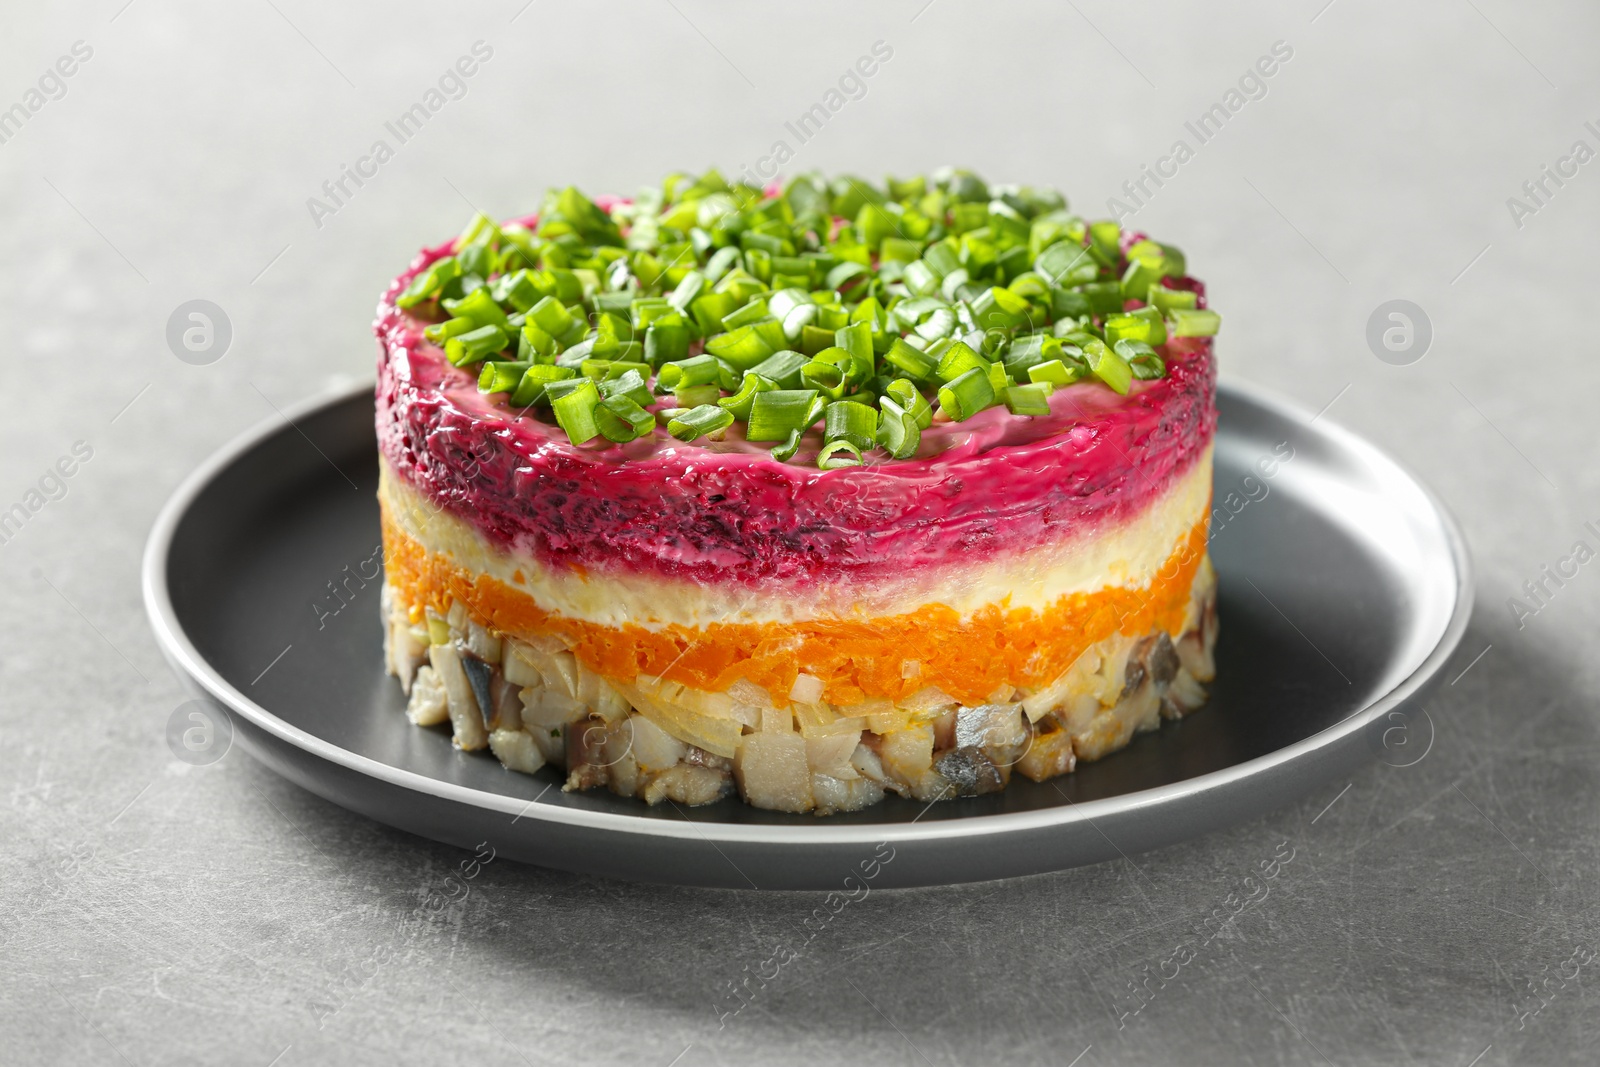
[[805, 494]]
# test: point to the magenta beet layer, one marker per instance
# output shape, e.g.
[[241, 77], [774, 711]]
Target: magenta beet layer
[[728, 512]]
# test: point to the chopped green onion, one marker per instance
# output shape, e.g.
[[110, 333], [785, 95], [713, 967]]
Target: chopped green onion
[[1188, 322], [909, 397], [1109, 367], [1105, 237], [1054, 373], [1143, 360], [575, 412], [688, 289], [630, 383], [475, 345], [1066, 264], [501, 377], [791, 444], [532, 388], [517, 290], [912, 361], [430, 282], [941, 258], [480, 229], [814, 339], [856, 339], [605, 368], [1133, 328], [781, 367], [999, 309], [838, 276], [752, 312], [845, 420], [824, 377], [939, 324], [621, 419], [1032, 399], [534, 343], [1139, 277], [1068, 304], [748, 345], [478, 306], [1028, 351], [551, 316], [840, 453], [966, 395], [845, 306], [693, 396], [440, 332], [899, 249], [921, 278], [1164, 299], [898, 431], [1105, 298], [721, 261], [665, 342], [957, 360], [739, 403], [1165, 259], [773, 415], [705, 420], [999, 377], [782, 302], [697, 370]]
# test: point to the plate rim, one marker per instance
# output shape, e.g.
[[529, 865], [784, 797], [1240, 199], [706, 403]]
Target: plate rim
[[806, 830]]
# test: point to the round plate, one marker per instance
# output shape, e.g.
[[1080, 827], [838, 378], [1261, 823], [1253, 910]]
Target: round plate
[[1344, 587]]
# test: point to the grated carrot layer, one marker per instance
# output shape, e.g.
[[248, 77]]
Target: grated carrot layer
[[967, 658]]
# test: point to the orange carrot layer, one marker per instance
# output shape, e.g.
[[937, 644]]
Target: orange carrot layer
[[967, 658]]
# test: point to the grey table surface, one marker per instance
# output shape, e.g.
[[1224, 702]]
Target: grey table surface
[[1441, 912]]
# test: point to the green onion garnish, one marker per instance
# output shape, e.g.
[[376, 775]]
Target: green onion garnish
[[791, 444], [622, 420], [1032, 399], [630, 383], [706, 420], [782, 368], [429, 283], [912, 361], [1054, 373], [898, 431], [910, 398], [840, 453], [957, 360], [532, 388], [575, 411], [1192, 323], [845, 420], [967, 395], [740, 402], [1168, 300], [501, 377], [852, 305], [774, 415], [1108, 366], [440, 332], [478, 307], [1143, 360], [475, 345]]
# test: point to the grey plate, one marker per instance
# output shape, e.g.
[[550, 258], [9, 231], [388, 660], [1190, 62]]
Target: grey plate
[[1344, 587]]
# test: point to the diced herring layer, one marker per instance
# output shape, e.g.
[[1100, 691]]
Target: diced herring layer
[[533, 703]]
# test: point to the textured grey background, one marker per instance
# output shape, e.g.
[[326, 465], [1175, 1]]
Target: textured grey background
[[151, 912]]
